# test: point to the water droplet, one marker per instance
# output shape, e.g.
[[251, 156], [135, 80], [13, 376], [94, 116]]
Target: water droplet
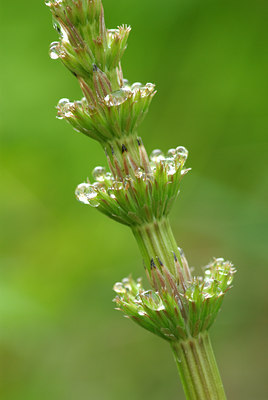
[[157, 155], [182, 153], [127, 284], [108, 176], [86, 194], [119, 288], [150, 85], [99, 174], [171, 153], [152, 300], [54, 50], [62, 102], [117, 98], [136, 85], [171, 166], [65, 109]]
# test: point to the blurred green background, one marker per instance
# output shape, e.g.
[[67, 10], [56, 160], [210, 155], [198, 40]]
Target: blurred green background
[[59, 335]]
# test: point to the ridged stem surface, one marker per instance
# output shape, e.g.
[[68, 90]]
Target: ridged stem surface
[[198, 369], [194, 357], [156, 241]]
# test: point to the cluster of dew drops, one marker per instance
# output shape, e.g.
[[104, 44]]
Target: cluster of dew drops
[[115, 98], [171, 160], [149, 298], [210, 285], [104, 181], [54, 49], [65, 106], [221, 272], [120, 96]]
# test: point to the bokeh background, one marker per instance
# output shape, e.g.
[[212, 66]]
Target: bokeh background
[[60, 338]]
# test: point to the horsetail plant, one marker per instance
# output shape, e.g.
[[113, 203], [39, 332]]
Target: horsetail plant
[[139, 191]]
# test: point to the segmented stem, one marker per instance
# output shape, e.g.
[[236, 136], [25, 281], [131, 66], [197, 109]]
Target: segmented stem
[[197, 368]]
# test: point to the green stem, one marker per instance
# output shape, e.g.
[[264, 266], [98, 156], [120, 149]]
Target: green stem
[[156, 241], [114, 147], [194, 357], [198, 369]]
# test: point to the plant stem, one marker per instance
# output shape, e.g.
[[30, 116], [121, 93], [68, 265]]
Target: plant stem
[[156, 241], [194, 357], [198, 369]]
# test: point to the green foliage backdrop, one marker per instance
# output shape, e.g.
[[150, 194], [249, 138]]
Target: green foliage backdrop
[[59, 335]]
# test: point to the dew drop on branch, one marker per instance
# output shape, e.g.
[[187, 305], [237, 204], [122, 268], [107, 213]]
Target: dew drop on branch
[[99, 174], [152, 300], [182, 153], [54, 51], [118, 97], [63, 102], [136, 85], [119, 287], [86, 194], [171, 153], [156, 156]]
